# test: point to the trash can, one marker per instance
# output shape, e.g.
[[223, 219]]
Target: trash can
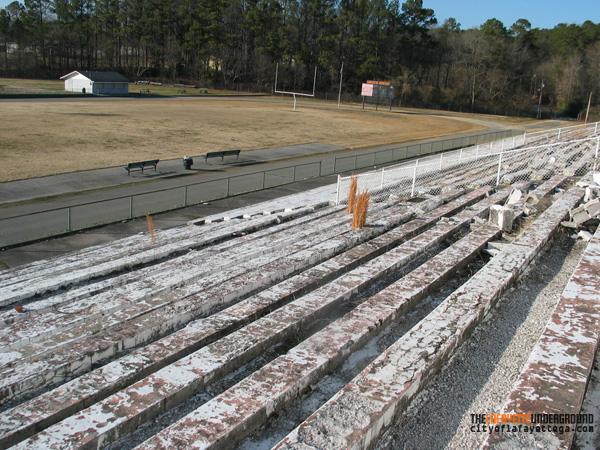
[[187, 162]]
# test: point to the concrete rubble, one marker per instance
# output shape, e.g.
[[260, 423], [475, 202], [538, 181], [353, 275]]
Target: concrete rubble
[[584, 219]]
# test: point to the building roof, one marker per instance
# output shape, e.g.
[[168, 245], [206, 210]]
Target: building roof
[[98, 77]]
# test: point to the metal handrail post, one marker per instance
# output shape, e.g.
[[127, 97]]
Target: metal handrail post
[[596, 156], [499, 169], [412, 192]]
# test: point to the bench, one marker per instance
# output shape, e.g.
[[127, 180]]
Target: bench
[[181, 91], [222, 154], [144, 91], [140, 165]]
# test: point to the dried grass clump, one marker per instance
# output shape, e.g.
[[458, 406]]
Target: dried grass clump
[[360, 210], [352, 194], [151, 228]]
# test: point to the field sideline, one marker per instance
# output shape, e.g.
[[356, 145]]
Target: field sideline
[[42, 138]]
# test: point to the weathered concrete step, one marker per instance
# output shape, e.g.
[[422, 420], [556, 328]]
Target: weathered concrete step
[[242, 255], [543, 190], [316, 198], [74, 350], [231, 351], [228, 418], [580, 166], [39, 413], [458, 176], [366, 406], [513, 165], [133, 244], [70, 353], [549, 187], [106, 252], [27, 289], [557, 372], [404, 186], [45, 410], [126, 280], [171, 276], [73, 260]]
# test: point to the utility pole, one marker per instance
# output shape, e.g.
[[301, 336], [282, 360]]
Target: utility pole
[[539, 112], [341, 75]]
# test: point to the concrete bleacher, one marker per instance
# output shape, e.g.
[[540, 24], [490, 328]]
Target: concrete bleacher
[[112, 337], [556, 376]]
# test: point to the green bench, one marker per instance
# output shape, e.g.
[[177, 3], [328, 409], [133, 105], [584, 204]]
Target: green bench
[[222, 154], [140, 165]]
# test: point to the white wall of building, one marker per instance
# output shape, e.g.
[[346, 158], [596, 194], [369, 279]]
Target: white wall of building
[[78, 83]]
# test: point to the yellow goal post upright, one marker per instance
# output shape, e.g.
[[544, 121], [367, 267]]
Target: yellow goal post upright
[[294, 94]]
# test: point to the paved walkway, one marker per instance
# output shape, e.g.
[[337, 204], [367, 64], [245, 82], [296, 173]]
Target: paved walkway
[[38, 194], [89, 180]]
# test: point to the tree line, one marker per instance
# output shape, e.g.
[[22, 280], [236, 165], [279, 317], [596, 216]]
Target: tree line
[[233, 43]]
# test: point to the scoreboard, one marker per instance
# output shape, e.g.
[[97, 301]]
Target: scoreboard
[[375, 91]]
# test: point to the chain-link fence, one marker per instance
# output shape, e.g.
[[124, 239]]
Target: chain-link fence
[[572, 152], [390, 155], [35, 225]]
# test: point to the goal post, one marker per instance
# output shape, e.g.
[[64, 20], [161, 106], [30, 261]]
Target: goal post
[[294, 94]]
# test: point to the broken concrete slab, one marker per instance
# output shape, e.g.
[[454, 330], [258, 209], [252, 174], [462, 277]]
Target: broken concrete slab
[[532, 198], [593, 207], [502, 217], [515, 197], [579, 215], [591, 193], [570, 225]]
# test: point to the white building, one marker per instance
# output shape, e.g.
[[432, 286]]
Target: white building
[[98, 83]]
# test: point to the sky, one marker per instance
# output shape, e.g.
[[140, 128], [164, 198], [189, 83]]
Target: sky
[[473, 13], [540, 13]]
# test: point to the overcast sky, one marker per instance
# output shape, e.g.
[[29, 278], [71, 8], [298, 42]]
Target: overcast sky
[[473, 13]]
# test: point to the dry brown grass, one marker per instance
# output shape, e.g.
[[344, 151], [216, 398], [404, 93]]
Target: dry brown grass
[[352, 194], [359, 219], [151, 228], [66, 136]]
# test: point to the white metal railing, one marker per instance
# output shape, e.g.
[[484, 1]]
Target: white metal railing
[[572, 151]]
